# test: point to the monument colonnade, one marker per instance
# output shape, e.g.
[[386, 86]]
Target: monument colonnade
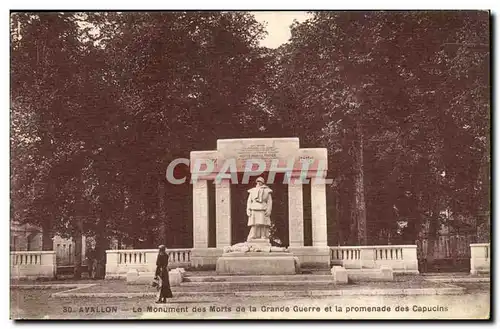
[[280, 155]]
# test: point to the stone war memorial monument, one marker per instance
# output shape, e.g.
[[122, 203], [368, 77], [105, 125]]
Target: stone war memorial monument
[[238, 191], [256, 255]]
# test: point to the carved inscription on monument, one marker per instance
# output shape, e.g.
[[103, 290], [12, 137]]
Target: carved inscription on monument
[[257, 151], [262, 149]]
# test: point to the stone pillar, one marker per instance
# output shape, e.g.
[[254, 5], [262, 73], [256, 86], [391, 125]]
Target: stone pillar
[[367, 257], [112, 267], [295, 214], [200, 214], [318, 212], [410, 259], [223, 213], [317, 255], [84, 249]]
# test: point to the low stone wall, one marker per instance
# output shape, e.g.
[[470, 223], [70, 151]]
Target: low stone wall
[[342, 275], [120, 262], [480, 254], [205, 258], [401, 258], [32, 264], [312, 257], [384, 273]]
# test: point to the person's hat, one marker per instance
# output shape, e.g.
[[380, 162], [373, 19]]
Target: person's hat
[[161, 247], [260, 179]]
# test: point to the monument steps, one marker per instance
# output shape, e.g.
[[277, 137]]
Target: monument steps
[[260, 283], [255, 286], [304, 272], [297, 282], [259, 278]]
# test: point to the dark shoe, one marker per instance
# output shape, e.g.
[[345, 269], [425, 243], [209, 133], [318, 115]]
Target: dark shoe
[[159, 301]]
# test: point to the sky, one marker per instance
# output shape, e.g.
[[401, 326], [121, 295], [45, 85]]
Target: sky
[[278, 25]]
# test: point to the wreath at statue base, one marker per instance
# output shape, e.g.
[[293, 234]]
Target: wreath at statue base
[[255, 245], [257, 257]]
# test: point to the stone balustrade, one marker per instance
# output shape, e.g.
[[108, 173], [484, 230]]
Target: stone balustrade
[[120, 262], [401, 258], [32, 264], [349, 257], [480, 254]]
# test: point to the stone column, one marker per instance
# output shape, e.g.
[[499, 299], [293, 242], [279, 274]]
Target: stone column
[[223, 213], [200, 214], [295, 214], [318, 212]]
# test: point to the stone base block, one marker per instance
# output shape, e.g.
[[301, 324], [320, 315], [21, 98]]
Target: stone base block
[[136, 277], [175, 276], [398, 266], [384, 273], [132, 275], [397, 271], [205, 258], [257, 263], [312, 257], [33, 272], [479, 265], [406, 266], [120, 272], [339, 275], [260, 243]]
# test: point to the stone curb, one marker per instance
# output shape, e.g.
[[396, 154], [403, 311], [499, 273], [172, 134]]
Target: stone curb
[[235, 283], [82, 286], [450, 291], [104, 294], [52, 286], [210, 276], [459, 280], [310, 293]]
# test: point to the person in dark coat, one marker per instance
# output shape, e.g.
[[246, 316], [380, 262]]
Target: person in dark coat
[[92, 263], [162, 273]]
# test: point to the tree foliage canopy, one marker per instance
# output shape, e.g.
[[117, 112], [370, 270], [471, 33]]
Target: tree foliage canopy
[[102, 102]]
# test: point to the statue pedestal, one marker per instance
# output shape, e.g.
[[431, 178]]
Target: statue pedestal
[[257, 258], [259, 244]]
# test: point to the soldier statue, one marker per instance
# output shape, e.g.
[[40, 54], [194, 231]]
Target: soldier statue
[[259, 206]]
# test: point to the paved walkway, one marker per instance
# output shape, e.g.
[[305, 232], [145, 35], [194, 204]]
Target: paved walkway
[[37, 304], [402, 285], [444, 296]]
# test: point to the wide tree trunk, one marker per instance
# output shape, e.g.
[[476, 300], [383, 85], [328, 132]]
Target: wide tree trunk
[[102, 238], [338, 227], [432, 235], [102, 244], [162, 236], [46, 225], [47, 235], [483, 223], [77, 271], [359, 187]]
